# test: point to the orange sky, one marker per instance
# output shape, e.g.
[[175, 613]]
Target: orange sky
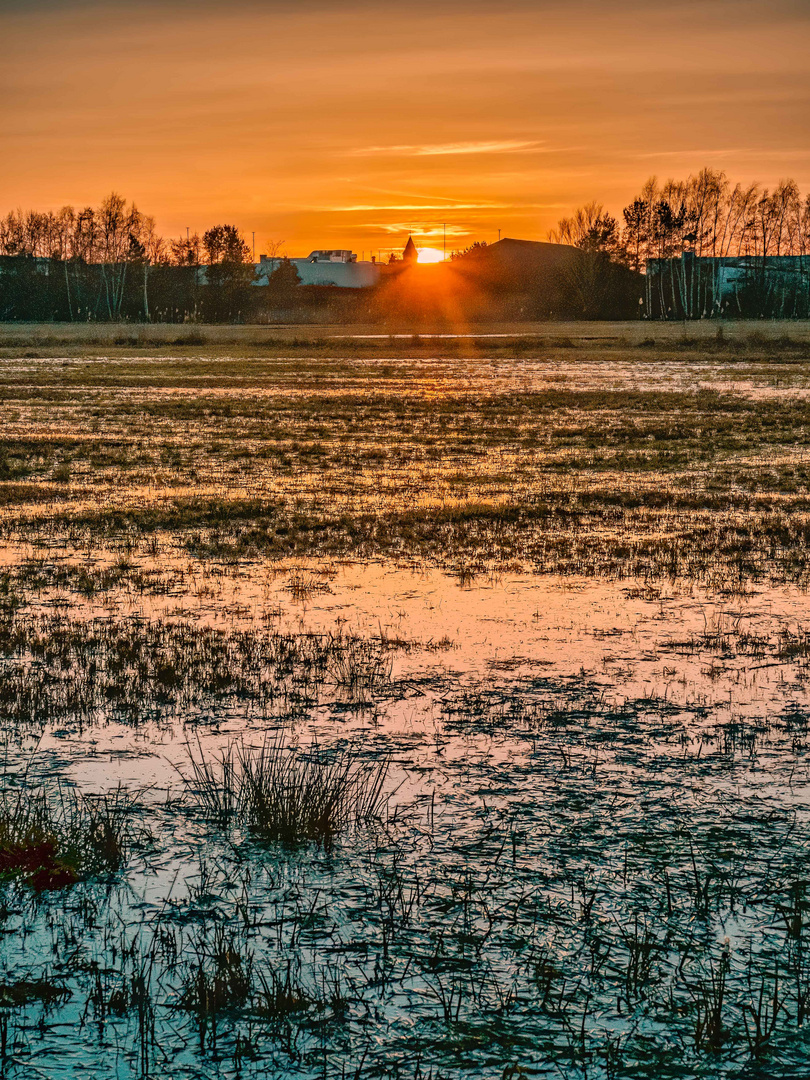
[[352, 124]]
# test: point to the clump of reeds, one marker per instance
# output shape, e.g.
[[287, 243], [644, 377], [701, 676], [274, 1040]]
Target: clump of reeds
[[284, 794], [215, 781], [50, 840], [358, 666], [220, 977], [302, 585], [280, 995]]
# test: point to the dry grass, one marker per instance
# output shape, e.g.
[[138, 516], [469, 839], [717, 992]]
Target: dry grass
[[685, 458], [395, 338]]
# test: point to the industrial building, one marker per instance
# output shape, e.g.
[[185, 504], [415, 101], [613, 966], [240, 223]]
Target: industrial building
[[692, 287], [338, 267]]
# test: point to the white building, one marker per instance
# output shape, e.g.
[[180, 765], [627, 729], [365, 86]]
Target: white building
[[336, 266]]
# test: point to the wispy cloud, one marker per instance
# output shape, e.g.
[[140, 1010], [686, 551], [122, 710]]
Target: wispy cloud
[[398, 207], [419, 228], [761, 153], [494, 146]]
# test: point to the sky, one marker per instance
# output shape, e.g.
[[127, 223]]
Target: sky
[[353, 124]]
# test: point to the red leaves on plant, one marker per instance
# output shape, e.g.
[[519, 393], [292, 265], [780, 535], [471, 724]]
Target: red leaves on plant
[[36, 863]]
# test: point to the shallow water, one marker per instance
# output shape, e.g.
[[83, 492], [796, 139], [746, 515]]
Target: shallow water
[[597, 781], [557, 745]]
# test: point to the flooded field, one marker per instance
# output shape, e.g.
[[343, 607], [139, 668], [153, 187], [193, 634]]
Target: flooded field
[[426, 707]]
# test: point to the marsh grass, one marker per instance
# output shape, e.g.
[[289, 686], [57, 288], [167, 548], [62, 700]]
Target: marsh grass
[[24, 991], [544, 916], [282, 793], [85, 671], [281, 995], [397, 340], [466, 463], [218, 979], [360, 666], [50, 839], [552, 900], [215, 781]]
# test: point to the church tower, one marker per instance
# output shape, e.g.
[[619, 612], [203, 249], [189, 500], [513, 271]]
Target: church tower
[[410, 254]]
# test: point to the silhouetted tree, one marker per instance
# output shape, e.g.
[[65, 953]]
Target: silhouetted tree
[[636, 233], [225, 245], [282, 285], [688, 226], [228, 271], [591, 229], [474, 249], [186, 251], [591, 277]]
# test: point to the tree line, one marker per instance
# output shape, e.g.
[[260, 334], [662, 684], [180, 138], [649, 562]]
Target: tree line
[[113, 232], [681, 229], [109, 262]]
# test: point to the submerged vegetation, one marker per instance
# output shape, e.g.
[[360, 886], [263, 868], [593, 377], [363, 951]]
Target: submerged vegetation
[[435, 717]]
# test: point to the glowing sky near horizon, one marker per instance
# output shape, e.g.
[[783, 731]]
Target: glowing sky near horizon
[[354, 124]]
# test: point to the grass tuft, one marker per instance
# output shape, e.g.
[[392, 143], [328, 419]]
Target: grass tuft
[[281, 793]]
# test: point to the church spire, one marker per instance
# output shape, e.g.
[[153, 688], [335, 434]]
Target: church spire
[[410, 254]]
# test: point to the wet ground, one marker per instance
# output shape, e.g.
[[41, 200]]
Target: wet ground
[[588, 857]]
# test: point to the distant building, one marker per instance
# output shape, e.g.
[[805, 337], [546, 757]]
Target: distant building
[[332, 255], [334, 266], [692, 287]]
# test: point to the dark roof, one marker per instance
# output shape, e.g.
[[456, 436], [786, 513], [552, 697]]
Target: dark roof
[[518, 254], [519, 263]]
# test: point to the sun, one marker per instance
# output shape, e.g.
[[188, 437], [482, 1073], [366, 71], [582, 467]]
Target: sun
[[430, 255]]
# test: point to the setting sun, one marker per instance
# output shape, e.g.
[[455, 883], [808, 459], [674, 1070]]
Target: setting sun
[[430, 255]]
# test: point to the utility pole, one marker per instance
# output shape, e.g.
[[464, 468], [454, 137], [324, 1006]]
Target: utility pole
[[254, 246], [444, 249], [187, 233]]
